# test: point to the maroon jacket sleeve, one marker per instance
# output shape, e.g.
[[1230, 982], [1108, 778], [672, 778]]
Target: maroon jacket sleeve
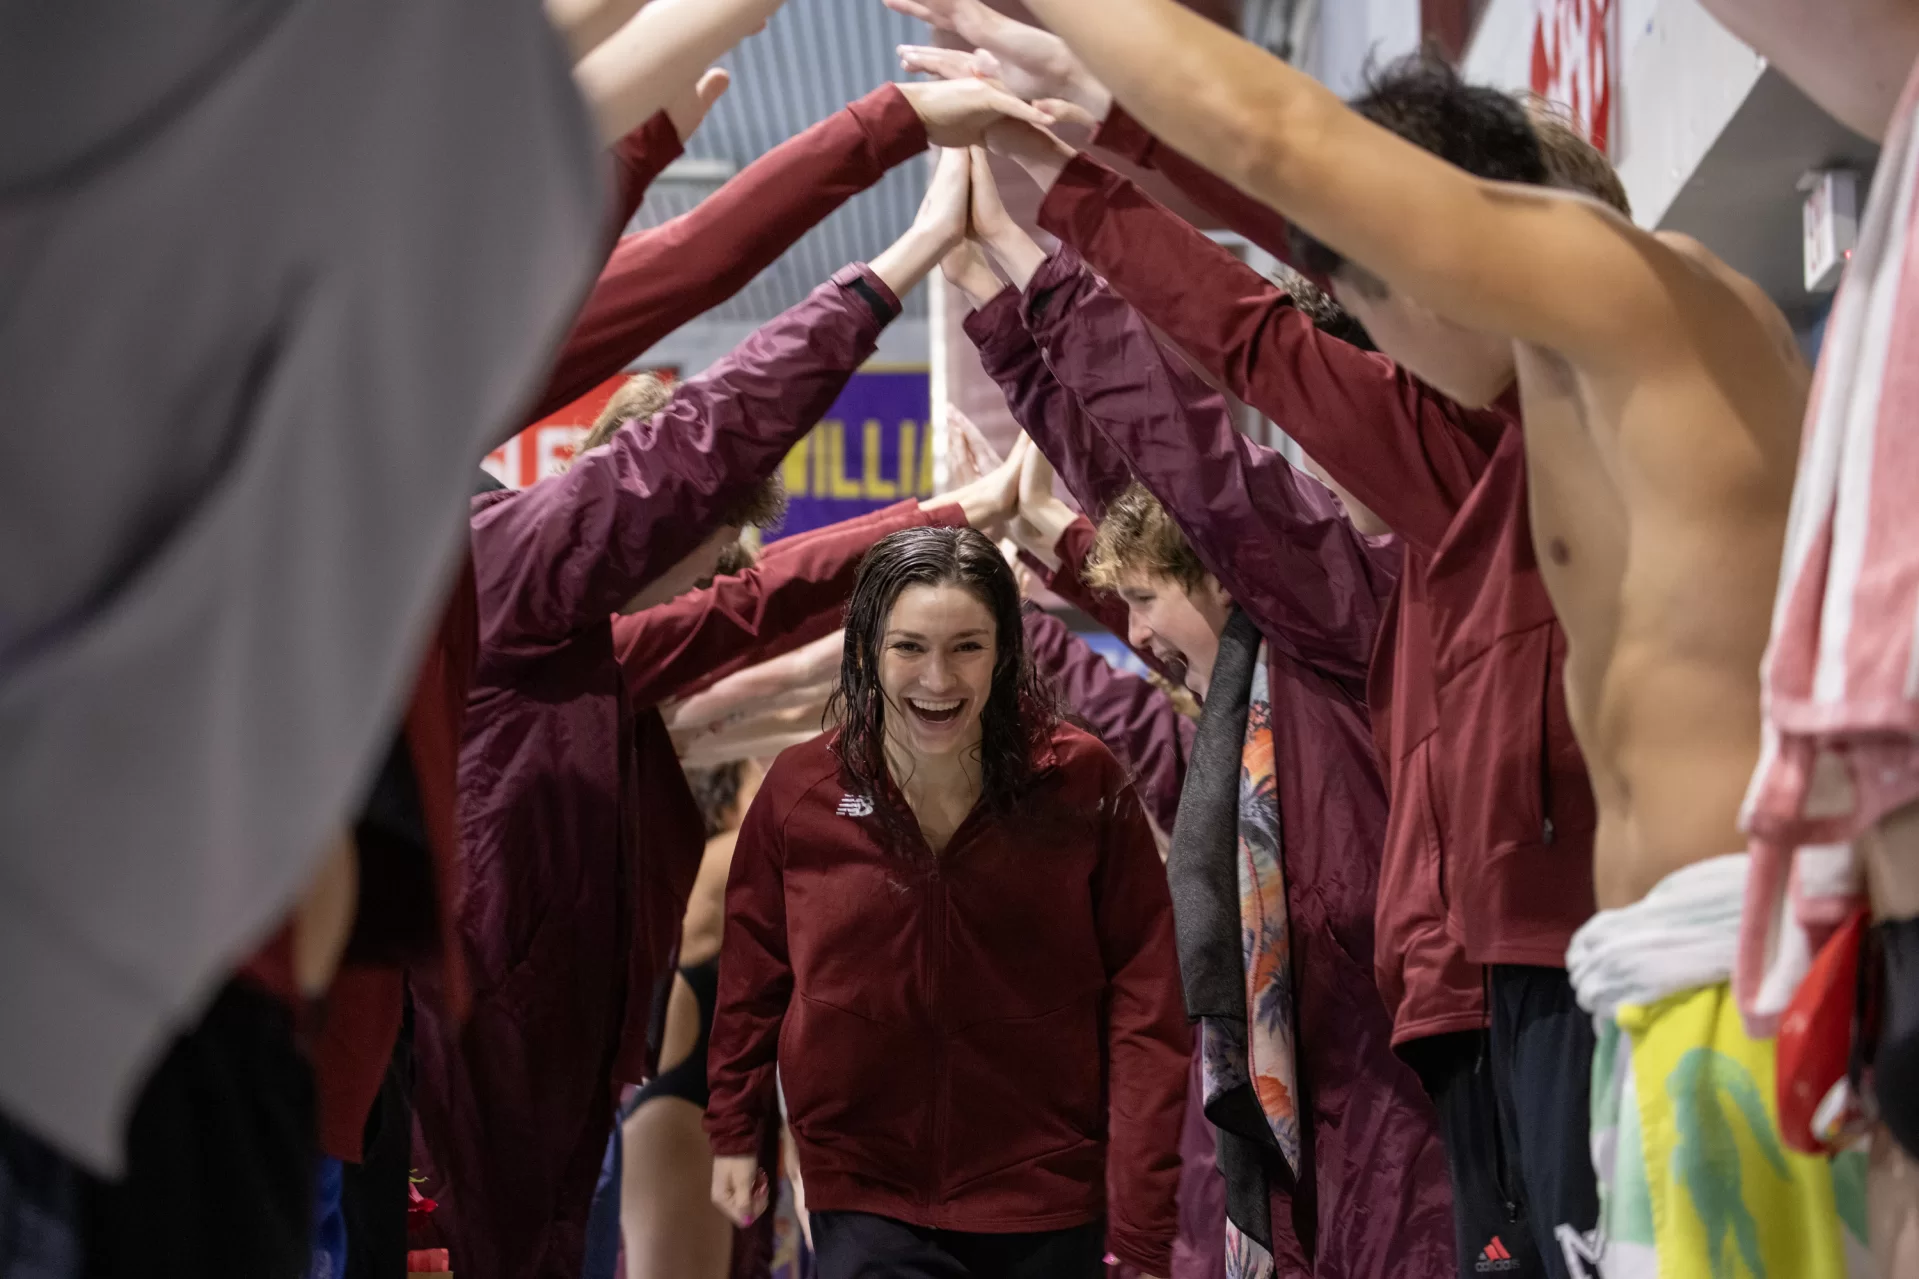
[[756, 982], [638, 158], [571, 550], [772, 608], [659, 279], [1275, 538], [1148, 1040], [1129, 139], [1094, 473], [1135, 720], [1404, 450]]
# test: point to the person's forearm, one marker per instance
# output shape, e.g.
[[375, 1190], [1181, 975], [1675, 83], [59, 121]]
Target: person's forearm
[[905, 262], [586, 24], [657, 280], [1852, 57], [570, 550], [813, 663], [1127, 138], [636, 70]]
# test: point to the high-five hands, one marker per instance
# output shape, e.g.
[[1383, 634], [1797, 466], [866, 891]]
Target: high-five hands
[[1043, 517], [957, 113], [1029, 61]]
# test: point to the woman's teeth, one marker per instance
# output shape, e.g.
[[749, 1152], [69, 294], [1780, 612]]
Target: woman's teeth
[[937, 712]]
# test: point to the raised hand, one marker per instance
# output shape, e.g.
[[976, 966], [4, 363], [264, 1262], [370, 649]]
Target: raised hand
[[688, 111], [967, 269], [989, 501], [957, 113], [1011, 246], [1042, 516], [1030, 61], [939, 226]]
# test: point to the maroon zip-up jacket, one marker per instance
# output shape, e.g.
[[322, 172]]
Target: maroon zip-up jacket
[[991, 1040], [1278, 542], [1489, 854], [775, 607], [515, 1106]]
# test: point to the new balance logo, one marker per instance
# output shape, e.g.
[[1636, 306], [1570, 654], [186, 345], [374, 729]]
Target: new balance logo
[[855, 806], [1494, 1259]]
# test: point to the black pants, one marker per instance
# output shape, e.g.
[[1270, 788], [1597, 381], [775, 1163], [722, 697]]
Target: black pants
[[1542, 1051], [1489, 1207], [219, 1174], [860, 1245]]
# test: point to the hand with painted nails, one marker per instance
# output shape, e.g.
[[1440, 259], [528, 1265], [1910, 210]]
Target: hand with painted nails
[[739, 1188], [1031, 61]]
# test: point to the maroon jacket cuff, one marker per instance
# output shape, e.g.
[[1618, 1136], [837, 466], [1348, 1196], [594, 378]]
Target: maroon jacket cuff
[[1077, 202], [1063, 268], [1126, 137], [896, 130], [862, 280], [996, 323]]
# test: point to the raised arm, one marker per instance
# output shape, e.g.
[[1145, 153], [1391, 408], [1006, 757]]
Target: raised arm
[[1137, 721], [1533, 264], [637, 69], [786, 600], [1044, 409], [1852, 57], [1037, 65], [783, 681], [1273, 537], [659, 279], [1406, 451], [573, 549]]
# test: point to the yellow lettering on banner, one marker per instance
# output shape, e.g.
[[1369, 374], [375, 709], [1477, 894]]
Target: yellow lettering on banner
[[926, 467], [871, 485], [794, 471], [838, 484], [909, 436]]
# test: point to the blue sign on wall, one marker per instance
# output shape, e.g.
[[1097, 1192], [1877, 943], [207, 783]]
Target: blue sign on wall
[[869, 451]]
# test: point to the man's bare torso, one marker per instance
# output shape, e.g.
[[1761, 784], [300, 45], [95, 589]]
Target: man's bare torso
[[1660, 487]]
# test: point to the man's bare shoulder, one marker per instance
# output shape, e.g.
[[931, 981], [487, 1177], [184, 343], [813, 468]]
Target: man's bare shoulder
[[1716, 276]]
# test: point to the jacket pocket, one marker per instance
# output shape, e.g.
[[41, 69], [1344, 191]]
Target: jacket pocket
[[1024, 1088], [857, 1090]]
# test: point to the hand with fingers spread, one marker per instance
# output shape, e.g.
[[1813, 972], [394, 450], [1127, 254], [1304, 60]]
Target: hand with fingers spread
[[957, 113], [688, 111], [1030, 61]]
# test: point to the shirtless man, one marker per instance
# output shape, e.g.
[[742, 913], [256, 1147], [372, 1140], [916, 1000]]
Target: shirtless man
[[1661, 395]]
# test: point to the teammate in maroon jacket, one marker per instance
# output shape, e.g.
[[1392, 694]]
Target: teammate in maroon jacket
[[949, 931]]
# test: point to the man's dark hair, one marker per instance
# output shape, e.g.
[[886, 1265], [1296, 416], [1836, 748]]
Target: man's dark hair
[[717, 791], [1422, 99]]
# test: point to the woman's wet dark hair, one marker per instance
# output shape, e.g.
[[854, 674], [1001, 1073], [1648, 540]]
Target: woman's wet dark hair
[[1020, 713]]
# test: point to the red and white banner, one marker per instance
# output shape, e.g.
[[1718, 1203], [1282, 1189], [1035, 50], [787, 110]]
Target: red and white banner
[[1573, 63], [544, 448]]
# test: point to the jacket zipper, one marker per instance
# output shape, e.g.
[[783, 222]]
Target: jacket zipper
[[1546, 830]]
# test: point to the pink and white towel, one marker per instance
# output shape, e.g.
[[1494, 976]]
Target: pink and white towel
[[1841, 677]]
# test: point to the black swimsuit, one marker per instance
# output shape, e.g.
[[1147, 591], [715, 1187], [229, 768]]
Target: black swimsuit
[[686, 1079]]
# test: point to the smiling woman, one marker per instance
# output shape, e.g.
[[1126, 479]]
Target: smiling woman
[[935, 687], [949, 932]]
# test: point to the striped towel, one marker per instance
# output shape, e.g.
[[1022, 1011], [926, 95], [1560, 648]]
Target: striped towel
[[1841, 677]]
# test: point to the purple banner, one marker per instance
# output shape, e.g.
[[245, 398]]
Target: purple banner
[[869, 451]]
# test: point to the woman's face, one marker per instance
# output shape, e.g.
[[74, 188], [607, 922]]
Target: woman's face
[[937, 654]]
